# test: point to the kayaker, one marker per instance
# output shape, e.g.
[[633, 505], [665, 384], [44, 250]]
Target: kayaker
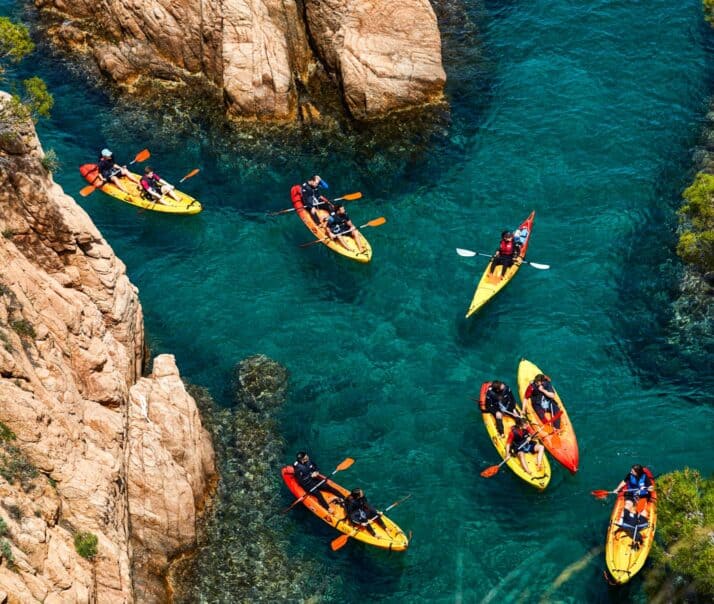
[[520, 441], [360, 512], [638, 484], [338, 225], [311, 199], [155, 187], [109, 171], [309, 477], [541, 394], [505, 254], [500, 400]]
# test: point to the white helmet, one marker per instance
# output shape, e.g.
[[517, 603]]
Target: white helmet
[[106, 153]]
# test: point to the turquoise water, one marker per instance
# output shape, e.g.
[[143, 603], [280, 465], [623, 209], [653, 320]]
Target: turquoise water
[[587, 112]]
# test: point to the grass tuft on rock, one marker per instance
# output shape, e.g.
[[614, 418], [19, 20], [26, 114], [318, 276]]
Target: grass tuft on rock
[[86, 545]]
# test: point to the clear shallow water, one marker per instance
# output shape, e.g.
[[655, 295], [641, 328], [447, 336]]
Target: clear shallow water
[[586, 112]]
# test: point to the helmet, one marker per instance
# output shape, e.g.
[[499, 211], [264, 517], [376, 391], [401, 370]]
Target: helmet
[[106, 153]]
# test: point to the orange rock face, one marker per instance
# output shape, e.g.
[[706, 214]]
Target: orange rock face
[[382, 55], [72, 408]]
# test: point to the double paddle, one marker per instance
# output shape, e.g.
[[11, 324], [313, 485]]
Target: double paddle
[[142, 155], [348, 197], [343, 465], [470, 254], [493, 470], [375, 222], [340, 541]]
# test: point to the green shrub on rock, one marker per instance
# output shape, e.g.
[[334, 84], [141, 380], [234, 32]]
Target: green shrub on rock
[[683, 554], [86, 545], [696, 243]]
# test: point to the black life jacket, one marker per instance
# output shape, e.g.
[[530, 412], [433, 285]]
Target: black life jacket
[[356, 509], [519, 436], [310, 198], [107, 167], [303, 471]]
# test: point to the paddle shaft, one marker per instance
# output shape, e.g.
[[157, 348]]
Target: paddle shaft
[[523, 444], [342, 466], [374, 222], [342, 539], [348, 197]]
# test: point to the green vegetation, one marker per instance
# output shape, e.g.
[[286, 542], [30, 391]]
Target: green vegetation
[[709, 10], [34, 101], [8, 233], [5, 433], [683, 556], [50, 161], [23, 327], [86, 545], [3, 528], [6, 552], [15, 466], [696, 243]]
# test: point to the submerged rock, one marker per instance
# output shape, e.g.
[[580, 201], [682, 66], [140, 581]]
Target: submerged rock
[[260, 383], [244, 552]]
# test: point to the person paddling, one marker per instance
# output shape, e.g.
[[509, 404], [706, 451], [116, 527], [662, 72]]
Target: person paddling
[[541, 394], [638, 484], [338, 226], [311, 199], [506, 253], [308, 476], [360, 512], [110, 171], [155, 187], [500, 400], [520, 441]]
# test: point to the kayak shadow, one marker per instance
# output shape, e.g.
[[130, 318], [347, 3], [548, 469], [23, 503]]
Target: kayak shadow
[[469, 333], [333, 278]]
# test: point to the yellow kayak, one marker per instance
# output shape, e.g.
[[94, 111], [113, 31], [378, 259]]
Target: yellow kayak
[[623, 561], [349, 249], [537, 478], [491, 284], [185, 205]]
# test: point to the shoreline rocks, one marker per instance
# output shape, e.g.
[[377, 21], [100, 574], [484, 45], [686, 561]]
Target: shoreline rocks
[[264, 60], [79, 450]]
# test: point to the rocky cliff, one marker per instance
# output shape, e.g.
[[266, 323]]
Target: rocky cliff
[[87, 446], [265, 58]]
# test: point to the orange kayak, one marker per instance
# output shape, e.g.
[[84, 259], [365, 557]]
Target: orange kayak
[[392, 538], [560, 443]]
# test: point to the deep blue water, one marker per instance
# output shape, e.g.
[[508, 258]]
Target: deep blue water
[[587, 112]]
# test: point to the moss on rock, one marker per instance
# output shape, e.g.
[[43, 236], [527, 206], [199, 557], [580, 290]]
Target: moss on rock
[[683, 555]]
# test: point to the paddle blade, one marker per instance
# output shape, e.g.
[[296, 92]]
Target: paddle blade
[[543, 267], [376, 222], [551, 419], [142, 155], [465, 253], [345, 464], [88, 190], [339, 542], [600, 493], [352, 196], [191, 174], [491, 471]]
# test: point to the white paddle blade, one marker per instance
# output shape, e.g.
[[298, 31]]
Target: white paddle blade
[[543, 267], [465, 253]]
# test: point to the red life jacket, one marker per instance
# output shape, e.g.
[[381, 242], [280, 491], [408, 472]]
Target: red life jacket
[[506, 248]]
